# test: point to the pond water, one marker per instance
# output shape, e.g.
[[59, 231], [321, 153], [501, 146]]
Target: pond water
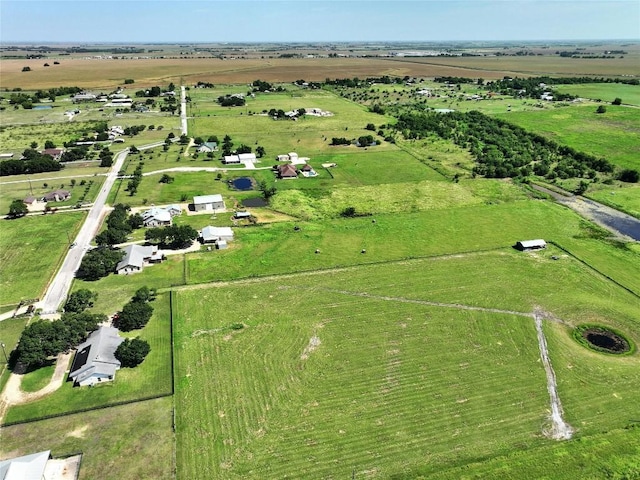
[[254, 202], [42, 107], [242, 183]]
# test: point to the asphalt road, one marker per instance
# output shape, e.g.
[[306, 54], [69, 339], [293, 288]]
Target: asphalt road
[[61, 283], [183, 110]]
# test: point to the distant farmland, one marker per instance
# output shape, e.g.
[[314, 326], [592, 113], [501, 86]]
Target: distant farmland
[[321, 376]]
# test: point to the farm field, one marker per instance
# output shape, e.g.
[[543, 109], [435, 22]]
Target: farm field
[[106, 438], [151, 378], [108, 74], [391, 369], [29, 261], [607, 92], [610, 135]]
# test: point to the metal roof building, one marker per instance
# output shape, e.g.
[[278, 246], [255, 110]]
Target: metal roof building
[[525, 245], [95, 360]]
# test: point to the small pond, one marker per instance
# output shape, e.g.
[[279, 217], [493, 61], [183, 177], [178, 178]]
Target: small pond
[[42, 107], [254, 202], [242, 183]]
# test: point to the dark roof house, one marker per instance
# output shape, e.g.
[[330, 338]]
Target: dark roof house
[[95, 359], [287, 171], [57, 196]]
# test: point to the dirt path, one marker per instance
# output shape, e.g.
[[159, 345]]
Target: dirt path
[[12, 395], [560, 430]]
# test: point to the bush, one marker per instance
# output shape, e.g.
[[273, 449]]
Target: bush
[[601, 109], [131, 353], [617, 101], [630, 176]]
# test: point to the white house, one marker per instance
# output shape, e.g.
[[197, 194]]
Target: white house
[[208, 203], [95, 361], [136, 257], [156, 217], [247, 157]]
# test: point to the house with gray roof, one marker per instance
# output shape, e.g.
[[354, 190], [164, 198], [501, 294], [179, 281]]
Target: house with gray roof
[[156, 217], [136, 257], [208, 147], [57, 196], [95, 360], [27, 467]]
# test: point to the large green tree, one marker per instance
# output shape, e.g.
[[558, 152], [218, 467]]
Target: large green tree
[[80, 300], [18, 209], [134, 315], [132, 352]]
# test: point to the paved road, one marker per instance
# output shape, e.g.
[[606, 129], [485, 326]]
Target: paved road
[[61, 283], [183, 110]]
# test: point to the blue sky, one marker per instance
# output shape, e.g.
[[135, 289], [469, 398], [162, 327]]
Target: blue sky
[[316, 20]]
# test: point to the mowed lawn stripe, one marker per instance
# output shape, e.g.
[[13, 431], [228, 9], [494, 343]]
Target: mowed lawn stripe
[[358, 357]]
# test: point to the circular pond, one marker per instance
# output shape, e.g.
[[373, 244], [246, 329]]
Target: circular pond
[[242, 183], [603, 339]]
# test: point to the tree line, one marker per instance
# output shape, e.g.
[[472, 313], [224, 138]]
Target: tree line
[[501, 149]]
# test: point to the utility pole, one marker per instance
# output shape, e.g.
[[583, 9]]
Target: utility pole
[[6, 359]]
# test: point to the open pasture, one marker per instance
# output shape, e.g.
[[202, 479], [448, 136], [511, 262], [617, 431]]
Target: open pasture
[[30, 251], [106, 438], [607, 92], [152, 377], [358, 364], [626, 199], [269, 249], [612, 135], [16, 138]]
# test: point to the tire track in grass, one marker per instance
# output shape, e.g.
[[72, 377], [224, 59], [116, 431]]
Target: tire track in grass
[[560, 430]]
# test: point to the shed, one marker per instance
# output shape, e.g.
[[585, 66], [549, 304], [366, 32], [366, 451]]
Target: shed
[[208, 203], [240, 215], [526, 245], [95, 359], [216, 234]]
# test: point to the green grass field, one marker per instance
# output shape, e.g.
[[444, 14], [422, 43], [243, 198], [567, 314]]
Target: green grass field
[[20, 191], [152, 377], [607, 92], [626, 199], [269, 249], [30, 259], [391, 387], [107, 439], [609, 135]]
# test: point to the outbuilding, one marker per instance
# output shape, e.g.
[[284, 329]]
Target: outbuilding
[[231, 159], [208, 203], [527, 245], [218, 235]]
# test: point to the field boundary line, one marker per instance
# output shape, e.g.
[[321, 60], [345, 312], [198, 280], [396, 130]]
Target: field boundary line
[[321, 271], [588, 265]]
